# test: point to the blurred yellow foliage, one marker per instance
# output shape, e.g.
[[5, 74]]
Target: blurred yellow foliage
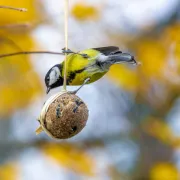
[[152, 53], [171, 38], [83, 11], [158, 129], [160, 62], [18, 81], [164, 171], [171, 33], [71, 157], [12, 17], [160, 66], [177, 55], [123, 76], [8, 172]]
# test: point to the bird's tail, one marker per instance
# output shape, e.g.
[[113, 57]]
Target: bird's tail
[[122, 58]]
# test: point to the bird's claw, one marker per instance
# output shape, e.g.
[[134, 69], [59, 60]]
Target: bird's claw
[[72, 92], [84, 55], [85, 82], [68, 51]]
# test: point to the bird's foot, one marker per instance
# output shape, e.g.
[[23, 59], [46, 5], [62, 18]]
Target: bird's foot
[[85, 82], [68, 51], [83, 55]]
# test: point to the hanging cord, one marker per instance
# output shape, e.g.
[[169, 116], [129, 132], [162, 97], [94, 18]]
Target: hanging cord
[[13, 8], [66, 12]]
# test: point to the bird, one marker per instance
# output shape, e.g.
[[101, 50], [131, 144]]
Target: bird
[[86, 66]]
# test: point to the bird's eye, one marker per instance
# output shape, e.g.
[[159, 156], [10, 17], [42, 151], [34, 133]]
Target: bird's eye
[[48, 79]]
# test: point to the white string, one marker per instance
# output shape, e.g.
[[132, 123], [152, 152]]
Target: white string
[[66, 12]]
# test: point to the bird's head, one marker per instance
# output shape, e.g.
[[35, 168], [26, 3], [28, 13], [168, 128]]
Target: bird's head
[[54, 78]]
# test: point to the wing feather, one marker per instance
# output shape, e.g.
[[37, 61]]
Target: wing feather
[[108, 50]]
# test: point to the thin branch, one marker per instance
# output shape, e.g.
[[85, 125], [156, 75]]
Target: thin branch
[[30, 52], [15, 25], [13, 8]]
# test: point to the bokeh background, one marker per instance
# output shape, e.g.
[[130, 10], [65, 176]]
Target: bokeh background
[[133, 131]]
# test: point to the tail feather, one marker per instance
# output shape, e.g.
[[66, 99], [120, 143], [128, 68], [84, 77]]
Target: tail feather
[[122, 58]]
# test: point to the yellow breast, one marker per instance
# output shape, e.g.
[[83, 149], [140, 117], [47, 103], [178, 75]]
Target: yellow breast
[[79, 79]]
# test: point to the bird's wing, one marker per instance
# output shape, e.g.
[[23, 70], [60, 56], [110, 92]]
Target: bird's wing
[[108, 50]]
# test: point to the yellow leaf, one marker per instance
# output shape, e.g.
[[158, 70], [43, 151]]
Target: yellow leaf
[[71, 157], [83, 11], [171, 33], [153, 54], [159, 129], [123, 76], [164, 171], [8, 171]]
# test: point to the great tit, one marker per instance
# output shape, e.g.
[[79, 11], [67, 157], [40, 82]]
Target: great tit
[[87, 66]]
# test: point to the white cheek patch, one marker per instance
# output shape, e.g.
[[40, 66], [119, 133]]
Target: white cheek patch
[[54, 75]]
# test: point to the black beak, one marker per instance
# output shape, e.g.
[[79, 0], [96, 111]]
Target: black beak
[[48, 89]]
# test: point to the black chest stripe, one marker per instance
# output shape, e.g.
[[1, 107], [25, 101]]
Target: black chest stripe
[[72, 75]]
